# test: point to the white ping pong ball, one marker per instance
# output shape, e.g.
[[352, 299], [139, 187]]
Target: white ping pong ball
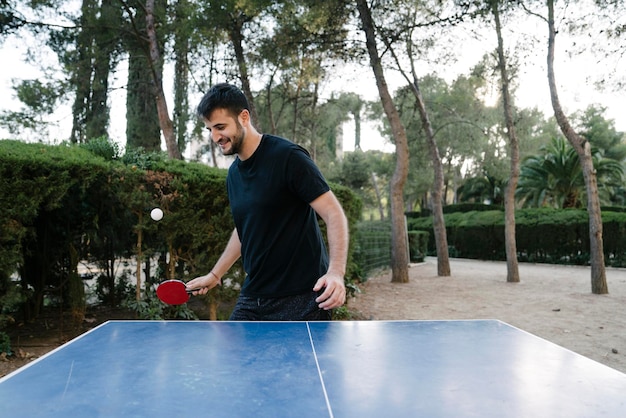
[[156, 214]]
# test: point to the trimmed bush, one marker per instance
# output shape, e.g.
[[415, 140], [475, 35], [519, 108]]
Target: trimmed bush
[[559, 236], [65, 204]]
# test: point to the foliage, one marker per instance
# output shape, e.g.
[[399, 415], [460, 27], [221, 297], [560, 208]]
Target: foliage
[[151, 308], [103, 147], [38, 99], [41, 189], [545, 235], [5, 344], [486, 189], [343, 313], [11, 298], [63, 204], [601, 133], [555, 178], [418, 245], [354, 171], [367, 174], [468, 207], [290, 50]]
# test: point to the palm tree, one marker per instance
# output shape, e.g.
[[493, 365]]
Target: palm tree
[[555, 178], [482, 189]]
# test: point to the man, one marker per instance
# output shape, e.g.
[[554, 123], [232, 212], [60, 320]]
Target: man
[[275, 191]]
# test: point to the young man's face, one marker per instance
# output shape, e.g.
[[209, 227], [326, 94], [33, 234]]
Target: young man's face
[[226, 131]]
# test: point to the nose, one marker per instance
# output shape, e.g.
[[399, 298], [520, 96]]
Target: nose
[[213, 136]]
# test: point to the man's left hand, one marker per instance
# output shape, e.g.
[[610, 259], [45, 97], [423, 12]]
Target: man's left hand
[[334, 294]]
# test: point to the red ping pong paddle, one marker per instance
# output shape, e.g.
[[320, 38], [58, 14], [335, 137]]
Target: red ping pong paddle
[[173, 292]]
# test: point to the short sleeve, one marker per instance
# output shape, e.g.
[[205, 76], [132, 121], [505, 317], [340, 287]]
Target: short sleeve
[[305, 178]]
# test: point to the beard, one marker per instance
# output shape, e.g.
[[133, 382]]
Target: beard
[[236, 141]]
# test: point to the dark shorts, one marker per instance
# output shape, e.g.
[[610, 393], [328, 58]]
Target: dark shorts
[[290, 308]]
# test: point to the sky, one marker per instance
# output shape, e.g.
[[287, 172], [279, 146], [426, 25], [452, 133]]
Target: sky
[[575, 75]]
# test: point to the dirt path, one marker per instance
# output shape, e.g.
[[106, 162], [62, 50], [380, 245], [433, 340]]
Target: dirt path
[[552, 302]]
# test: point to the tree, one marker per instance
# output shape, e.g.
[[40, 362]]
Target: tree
[[82, 73], [156, 68], [462, 126], [354, 104], [97, 44], [607, 144], [583, 149], [601, 133], [142, 122], [233, 18], [482, 189], [183, 27], [553, 178], [307, 39], [439, 225], [10, 19], [509, 196], [38, 99], [399, 246]]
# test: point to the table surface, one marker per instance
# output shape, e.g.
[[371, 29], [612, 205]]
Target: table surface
[[481, 368]]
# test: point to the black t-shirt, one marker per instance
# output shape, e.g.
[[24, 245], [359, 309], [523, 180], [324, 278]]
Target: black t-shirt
[[282, 248]]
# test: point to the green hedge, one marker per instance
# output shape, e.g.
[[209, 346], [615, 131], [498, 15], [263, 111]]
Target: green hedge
[[542, 235], [62, 204], [457, 207], [418, 245]]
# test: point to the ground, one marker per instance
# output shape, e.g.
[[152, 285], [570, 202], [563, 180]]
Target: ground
[[552, 302]]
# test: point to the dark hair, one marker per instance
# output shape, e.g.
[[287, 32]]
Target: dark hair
[[223, 96]]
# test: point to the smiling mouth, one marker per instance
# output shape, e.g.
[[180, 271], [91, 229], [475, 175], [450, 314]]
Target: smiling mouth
[[225, 145]]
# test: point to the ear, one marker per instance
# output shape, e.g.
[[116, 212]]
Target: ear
[[244, 117]]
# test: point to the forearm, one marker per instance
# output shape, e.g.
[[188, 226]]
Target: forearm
[[338, 238], [337, 246], [231, 253], [201, 285], [332, 283]]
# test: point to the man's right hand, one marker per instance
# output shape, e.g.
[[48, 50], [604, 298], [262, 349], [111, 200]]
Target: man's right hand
[[203, 284]]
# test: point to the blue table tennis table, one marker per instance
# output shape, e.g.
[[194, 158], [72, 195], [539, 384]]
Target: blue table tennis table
[[482, 368]]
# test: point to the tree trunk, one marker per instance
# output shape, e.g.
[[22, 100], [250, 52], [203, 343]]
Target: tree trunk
[[171, 265], [181, 73], [142, 123], [294, 119], [76, 289], [106, 41], [213, 305], [509, 194], [379, 198], [81, 75], [357, 127], [399, 245], [438, 193], [166, 124], [439, 224], [139, 257], [270, 112], [236, 38], [583, 149]]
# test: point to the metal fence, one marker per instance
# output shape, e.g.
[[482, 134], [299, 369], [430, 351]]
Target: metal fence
[[373, 250]]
